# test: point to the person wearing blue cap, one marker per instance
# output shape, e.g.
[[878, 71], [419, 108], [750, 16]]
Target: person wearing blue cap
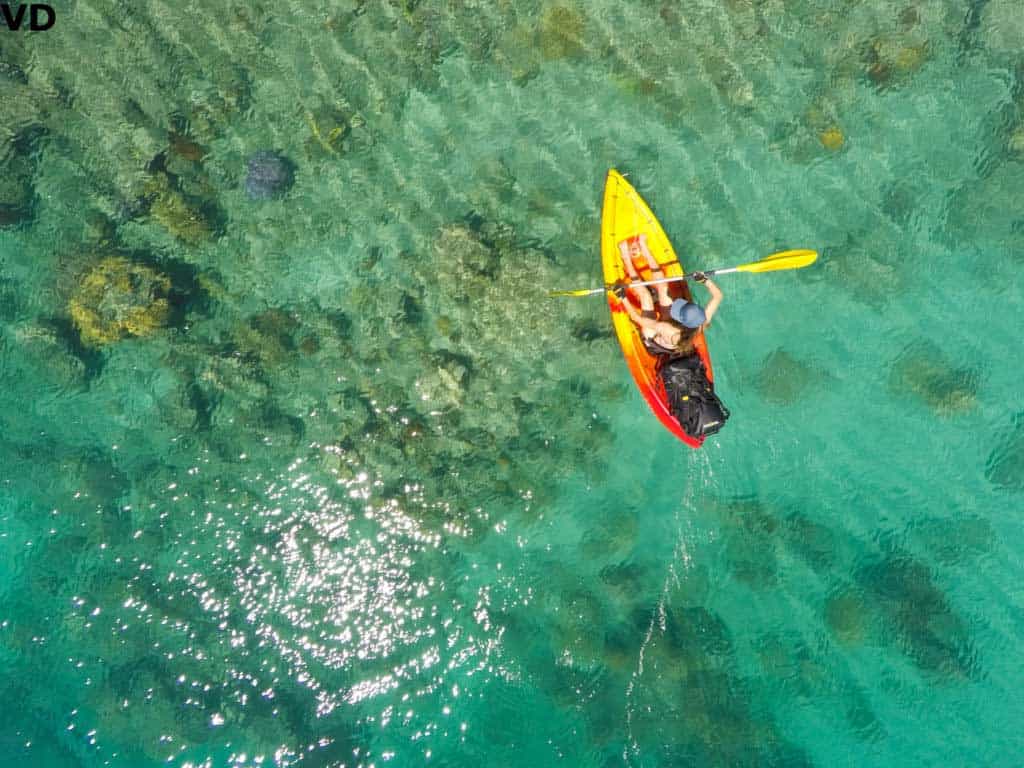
[[671, 329]]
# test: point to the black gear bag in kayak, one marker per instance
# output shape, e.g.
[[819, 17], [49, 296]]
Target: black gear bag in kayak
[[691, 397]]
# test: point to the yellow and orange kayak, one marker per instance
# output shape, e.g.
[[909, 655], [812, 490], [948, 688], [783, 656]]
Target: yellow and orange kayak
[[625, 216]]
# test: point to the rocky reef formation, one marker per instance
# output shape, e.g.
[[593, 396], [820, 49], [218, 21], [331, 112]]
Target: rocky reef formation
[[175, 212], [118, 298], [435, 382], [847, 615], [902, 591], [928, 374], [18, 160], [1002, 27], [44, 354], [984, 213], [23, 113], [891, 59], [16, 192], [784, 379], [457, 369]]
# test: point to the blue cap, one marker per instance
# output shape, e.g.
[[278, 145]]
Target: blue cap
[[687, 314]]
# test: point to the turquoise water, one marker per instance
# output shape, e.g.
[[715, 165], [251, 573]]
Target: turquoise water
[[328, 480]]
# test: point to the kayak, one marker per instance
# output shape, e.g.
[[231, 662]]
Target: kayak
[[625, 216]]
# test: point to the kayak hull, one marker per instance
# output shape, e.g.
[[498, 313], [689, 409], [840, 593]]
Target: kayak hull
[[624, 216]]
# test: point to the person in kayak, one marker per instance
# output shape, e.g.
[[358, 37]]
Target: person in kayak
[[669, 329]]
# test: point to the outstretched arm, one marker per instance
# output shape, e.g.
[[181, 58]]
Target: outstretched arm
[[716, 299]]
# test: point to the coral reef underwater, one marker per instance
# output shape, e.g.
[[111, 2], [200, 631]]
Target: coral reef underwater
[[116, 299], [268, 174]]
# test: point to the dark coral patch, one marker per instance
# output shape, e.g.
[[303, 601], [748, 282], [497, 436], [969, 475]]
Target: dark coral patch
[[268, 175]]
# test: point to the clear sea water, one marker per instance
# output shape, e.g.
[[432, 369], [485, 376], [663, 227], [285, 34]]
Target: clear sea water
[[358, 493]]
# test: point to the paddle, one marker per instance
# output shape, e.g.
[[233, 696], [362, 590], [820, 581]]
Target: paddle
[[794, 259]]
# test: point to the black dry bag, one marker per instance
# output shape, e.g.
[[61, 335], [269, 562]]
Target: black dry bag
[[691, 397]]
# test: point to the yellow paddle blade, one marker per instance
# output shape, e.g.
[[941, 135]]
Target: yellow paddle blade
[[795, 259], [581, 292]]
